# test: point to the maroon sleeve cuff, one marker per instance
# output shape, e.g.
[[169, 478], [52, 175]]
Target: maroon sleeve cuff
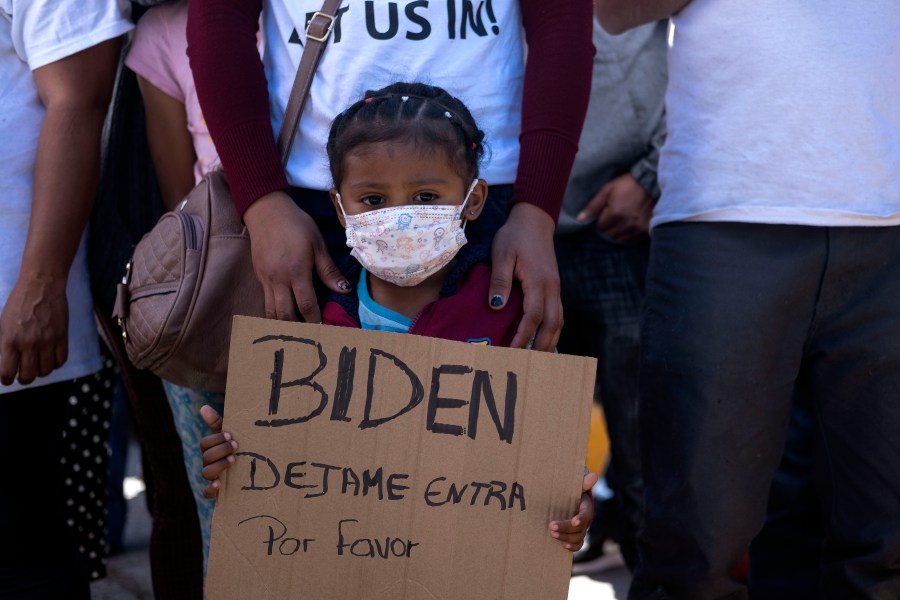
[[545, 162], [250, 157]]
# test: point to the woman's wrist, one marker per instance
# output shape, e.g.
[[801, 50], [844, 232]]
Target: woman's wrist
[[268, 208], [535, 218]]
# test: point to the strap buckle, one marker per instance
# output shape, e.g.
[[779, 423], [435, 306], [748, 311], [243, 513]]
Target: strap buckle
[[126, 279], [122, 302], [328, 27]]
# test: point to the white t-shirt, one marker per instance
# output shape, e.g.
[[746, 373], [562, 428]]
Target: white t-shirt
[[35, 33], [783, 112], [375, 44]]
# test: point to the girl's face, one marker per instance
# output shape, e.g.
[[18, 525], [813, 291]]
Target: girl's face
[[385, 175]]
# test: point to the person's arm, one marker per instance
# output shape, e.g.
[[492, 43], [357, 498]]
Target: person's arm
[[623, 207], [34, 324], [618, 16], [555, 97], [645, 170], [233, 93], [231, 85], [171, 145]]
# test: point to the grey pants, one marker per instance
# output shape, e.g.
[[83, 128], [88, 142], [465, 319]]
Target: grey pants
[[602, 284], [738, 317]]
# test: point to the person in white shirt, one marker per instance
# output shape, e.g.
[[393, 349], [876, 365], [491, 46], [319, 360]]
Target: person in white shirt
[[57, 64], [774, 271]]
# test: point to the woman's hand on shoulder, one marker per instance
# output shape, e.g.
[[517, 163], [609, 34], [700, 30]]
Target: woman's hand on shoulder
[[287, 248], [523, 250]]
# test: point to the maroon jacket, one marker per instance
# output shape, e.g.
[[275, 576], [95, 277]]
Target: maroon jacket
[[461, 313]]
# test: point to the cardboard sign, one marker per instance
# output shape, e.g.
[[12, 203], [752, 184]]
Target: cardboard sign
[[378, 465]]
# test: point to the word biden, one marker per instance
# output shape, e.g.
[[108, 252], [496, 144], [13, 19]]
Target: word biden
[[381, 365]]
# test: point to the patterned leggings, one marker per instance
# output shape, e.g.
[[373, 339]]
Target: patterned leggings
[[186, 403]]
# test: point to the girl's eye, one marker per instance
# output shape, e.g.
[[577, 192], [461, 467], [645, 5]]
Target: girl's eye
[[372, 200], [425, 197]]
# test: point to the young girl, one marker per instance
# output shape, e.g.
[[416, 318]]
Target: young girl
[[404, 161]]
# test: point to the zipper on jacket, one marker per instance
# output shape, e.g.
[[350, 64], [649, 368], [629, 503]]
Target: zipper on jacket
[[415, 320]]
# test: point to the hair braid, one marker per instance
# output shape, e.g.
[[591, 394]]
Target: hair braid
[[408, 112]]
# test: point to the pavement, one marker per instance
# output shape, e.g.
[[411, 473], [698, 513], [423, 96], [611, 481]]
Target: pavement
[[128, 575]]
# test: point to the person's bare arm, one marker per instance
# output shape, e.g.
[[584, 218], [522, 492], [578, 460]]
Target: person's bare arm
[[617, 16], [171, 145], [34, 324]]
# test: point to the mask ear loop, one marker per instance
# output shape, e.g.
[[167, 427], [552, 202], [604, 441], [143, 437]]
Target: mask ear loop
[[463, 205], [347, 231], [341, 204]]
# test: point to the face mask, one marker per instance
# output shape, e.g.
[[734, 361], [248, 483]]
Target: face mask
[[404, 245]]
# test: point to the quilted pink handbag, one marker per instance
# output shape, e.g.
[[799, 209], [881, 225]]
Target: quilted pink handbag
[[189, 275], [193, 271]]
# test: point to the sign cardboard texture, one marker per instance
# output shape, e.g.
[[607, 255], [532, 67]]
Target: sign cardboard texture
[[376, 465]]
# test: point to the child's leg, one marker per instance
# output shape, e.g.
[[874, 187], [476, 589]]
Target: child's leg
[[186, 403]]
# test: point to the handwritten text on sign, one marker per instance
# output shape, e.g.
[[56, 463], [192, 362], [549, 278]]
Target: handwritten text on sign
[[395, 466]]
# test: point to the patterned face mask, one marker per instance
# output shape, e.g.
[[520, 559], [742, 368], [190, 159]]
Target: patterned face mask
[[405, 245]]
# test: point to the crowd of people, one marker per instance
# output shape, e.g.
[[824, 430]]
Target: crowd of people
[[707, 192]]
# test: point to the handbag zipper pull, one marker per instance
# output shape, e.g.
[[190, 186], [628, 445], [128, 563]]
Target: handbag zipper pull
[[121, 310]]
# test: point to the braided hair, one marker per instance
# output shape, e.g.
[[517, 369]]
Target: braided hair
[[416, 113]]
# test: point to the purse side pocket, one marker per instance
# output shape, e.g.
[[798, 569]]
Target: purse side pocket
[[164, 277]]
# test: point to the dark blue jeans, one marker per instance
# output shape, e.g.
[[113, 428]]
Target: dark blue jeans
[[735, 316], [602, 286]]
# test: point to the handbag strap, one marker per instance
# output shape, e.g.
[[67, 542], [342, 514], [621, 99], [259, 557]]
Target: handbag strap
[[317, 33]]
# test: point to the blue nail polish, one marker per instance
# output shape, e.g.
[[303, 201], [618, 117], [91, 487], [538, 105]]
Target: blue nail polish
[[496, 301]]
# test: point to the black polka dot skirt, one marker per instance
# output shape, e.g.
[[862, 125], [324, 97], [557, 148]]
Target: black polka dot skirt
[[85, 462]]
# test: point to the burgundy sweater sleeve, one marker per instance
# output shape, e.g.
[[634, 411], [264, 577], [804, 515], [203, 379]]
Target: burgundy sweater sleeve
[[555, 98], [233, 93]]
